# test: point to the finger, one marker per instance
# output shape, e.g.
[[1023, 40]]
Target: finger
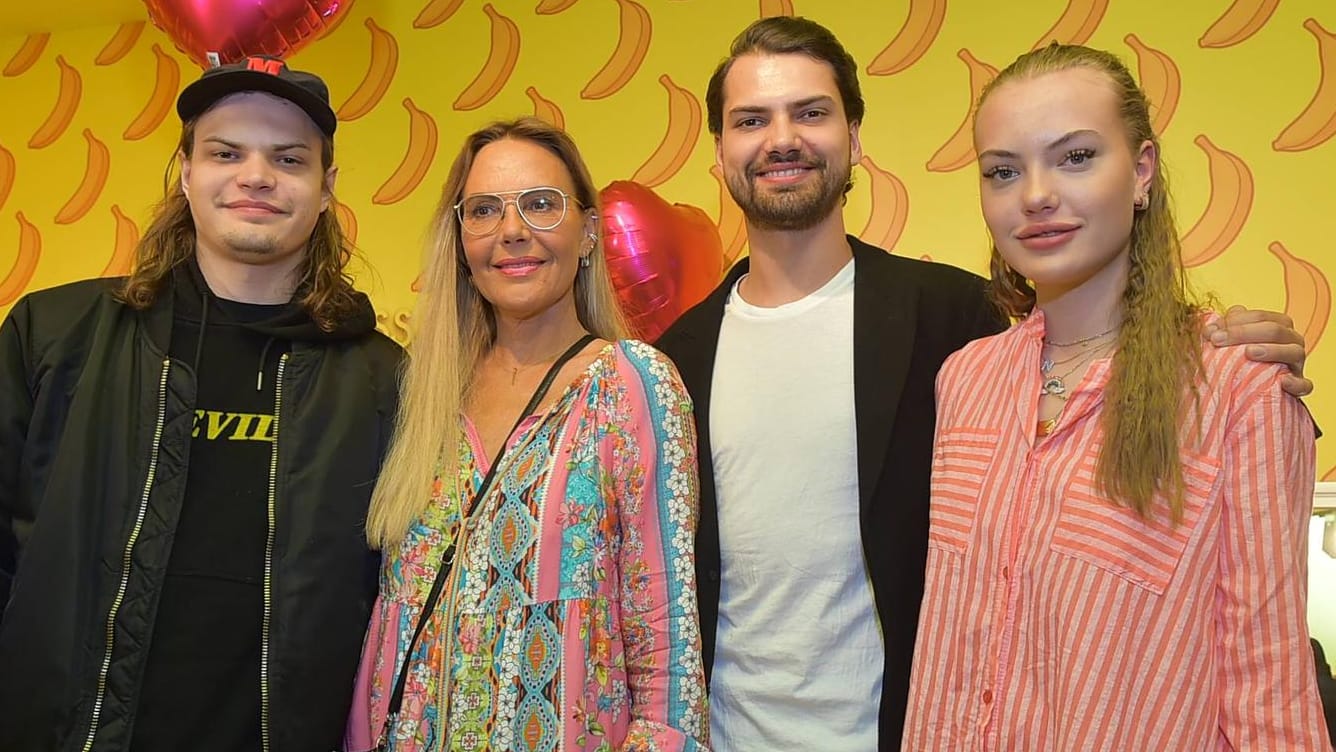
[[1296, 385], [1258, 332], [1292, 356], [1240, 316]]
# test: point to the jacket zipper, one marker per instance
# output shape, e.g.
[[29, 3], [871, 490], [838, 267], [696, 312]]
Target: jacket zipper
[[126, 556], [269, 559]]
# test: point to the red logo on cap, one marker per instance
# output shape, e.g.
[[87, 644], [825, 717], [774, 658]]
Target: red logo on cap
[[265, 65]]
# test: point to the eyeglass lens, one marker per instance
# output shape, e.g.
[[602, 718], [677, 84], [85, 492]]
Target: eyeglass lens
[[540, 208]]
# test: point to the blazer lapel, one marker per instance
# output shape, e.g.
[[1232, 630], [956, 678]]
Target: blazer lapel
[[700, 341], [885, 319], [692, 343]]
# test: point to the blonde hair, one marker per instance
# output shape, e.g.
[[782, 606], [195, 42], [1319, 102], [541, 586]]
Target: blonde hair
[[324, 287], [1158, 358], [454, 328]]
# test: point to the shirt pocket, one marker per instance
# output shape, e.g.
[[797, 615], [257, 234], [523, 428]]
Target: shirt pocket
[[960, 464], [1145, 552]]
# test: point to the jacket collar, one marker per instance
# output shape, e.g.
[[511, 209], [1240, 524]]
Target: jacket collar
[[885, 321]]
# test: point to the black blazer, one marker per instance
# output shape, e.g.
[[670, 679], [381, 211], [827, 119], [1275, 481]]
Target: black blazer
[[909, 315]]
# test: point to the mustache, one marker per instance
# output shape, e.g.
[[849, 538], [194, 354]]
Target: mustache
[[811, 161]]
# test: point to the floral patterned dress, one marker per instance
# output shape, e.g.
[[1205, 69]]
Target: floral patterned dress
[[569, 621]]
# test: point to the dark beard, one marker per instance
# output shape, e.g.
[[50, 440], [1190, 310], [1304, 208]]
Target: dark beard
[[792, 209], [258, 244]]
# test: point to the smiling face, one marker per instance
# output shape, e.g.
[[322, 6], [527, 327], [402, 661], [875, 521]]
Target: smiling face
[[255, 181], [786, 147], [1059, 179], [522, 272]]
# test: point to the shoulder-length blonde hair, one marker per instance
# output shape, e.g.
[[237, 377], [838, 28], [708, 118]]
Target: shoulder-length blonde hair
[[324, 287], [1158, 359], [454, 326]]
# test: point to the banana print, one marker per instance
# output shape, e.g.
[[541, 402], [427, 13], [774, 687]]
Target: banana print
[[27, 55], [120, 43], [62, 113], [627, 78], [1160, 80], [1227, 209], [679, 140], [890, 207], [417, 158], [1241, 20], [1317, 122], [379, 74], [499, 65], [912, 42], [1076, 24], [123, 245], [8, 172], [435, 13], [90, 187], [167, 81], [20, 274], [632, 45], [545, 109], [1307, 295], [958, 150]]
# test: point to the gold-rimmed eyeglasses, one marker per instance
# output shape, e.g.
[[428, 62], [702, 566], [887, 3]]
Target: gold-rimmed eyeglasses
[[541, 208]]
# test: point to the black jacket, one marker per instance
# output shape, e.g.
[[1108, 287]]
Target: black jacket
[[908, 317], [95, 433]]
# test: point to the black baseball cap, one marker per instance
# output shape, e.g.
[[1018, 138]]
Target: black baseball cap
[[260, 73]]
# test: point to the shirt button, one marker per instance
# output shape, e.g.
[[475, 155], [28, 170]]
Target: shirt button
[[988, 697], [1006, 573]]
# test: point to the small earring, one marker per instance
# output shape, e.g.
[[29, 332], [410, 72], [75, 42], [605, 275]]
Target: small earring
[[1141, 202], [584, 262]]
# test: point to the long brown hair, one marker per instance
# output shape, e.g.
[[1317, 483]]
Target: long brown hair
[[455, 326], [324, 287], [1158, 358]]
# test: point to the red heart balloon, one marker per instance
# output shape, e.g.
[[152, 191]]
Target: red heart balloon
[[663, 258], [236, 29]]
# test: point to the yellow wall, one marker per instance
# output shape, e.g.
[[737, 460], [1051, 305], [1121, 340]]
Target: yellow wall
[[1229, 93]]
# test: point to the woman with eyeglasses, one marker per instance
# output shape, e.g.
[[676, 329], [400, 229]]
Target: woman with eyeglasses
[[537, 509]]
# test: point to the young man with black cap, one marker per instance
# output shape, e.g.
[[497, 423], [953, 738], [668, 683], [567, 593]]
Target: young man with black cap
[[186, 455]]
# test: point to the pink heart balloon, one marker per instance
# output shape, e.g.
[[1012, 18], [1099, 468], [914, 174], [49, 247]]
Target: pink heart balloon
[[663, 258], [236, 29]]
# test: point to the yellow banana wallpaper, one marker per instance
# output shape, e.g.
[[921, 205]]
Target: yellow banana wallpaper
[[1244, 102]]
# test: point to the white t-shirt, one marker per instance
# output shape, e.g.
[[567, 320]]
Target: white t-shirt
[[799, 655]]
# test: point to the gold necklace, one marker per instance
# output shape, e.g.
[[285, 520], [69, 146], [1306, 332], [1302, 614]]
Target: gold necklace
[[1046, 364], [515, 370], [1083, 340], [1056, 386]]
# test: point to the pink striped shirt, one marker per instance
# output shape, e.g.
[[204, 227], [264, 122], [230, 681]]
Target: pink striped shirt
[[1055, 620]]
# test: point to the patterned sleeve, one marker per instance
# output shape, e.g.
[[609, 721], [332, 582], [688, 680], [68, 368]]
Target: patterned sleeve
[[660, 620], [1268, 692]]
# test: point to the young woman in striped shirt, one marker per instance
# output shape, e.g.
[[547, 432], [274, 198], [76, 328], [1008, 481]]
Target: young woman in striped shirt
[[1119, 513]]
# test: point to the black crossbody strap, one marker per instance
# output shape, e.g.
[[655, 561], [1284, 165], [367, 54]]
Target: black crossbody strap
[[447, 558]]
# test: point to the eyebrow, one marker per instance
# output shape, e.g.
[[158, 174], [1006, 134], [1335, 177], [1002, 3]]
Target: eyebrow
[[272, 147], [801, 103], [1057, 143]]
